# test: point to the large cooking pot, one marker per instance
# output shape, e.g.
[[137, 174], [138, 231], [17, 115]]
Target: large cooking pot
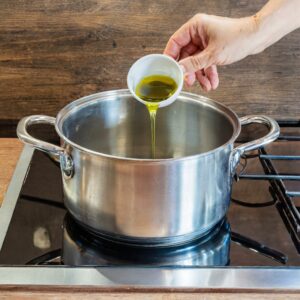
[[112, 186]]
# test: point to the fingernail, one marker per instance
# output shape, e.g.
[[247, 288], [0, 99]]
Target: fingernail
[[214, 83], [183, 69], [188, 78]]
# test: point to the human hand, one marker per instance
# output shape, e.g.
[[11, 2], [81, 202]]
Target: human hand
[[206, 41]]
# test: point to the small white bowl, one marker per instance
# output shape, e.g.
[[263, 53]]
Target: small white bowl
[[155, 64]]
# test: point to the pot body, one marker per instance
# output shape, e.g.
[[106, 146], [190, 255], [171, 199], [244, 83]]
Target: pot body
[[172, 200], [113, 186]]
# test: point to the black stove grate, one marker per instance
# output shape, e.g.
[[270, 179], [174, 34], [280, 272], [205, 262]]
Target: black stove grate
[[282, 197]]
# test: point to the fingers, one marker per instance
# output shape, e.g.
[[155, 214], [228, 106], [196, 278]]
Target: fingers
[[208, 78], [203, 80], [188, 50], [178, 40], [213, 77], [189, 79], [197, 61], [188, 46], [200, 63]]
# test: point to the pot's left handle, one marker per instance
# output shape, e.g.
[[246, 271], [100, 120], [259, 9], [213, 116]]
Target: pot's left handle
[[271, 136], [56, 152], [26, 138]]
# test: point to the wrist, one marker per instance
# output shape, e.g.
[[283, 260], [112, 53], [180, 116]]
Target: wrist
[[276, 19], [258, 35]]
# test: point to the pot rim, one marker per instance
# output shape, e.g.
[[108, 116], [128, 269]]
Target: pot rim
[[106, 95]]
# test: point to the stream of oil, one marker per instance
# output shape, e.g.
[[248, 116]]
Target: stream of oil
[[154, 89]]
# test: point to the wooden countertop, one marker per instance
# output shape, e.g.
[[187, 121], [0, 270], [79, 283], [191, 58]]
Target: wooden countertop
[[94, 294], [10, 149]]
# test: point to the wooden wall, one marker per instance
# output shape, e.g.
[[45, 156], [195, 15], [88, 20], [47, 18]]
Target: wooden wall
[[55, 51]]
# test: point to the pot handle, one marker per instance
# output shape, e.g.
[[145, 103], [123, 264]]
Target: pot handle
[[272, 135], [26, 138], [56, 152]]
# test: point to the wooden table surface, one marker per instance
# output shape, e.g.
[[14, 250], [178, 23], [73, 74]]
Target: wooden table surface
[[10, 150], [68, 295]]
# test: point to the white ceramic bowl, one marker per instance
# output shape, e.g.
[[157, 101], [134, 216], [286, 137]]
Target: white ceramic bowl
[[155, 64]]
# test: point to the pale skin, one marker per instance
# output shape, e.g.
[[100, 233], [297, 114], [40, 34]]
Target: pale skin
[[208, 41]]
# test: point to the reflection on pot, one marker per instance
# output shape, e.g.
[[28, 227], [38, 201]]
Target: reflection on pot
[[82, 247]]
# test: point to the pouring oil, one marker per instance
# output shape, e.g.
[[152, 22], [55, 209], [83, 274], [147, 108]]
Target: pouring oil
[[154, 89]]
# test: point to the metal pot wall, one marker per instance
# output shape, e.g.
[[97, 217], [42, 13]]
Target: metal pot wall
[[112, 186]]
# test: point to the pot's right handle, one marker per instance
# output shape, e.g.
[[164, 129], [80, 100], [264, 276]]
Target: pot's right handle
[[272, 135], [56, 152]]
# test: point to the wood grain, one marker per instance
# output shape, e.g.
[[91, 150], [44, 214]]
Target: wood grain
[[10, 150], [145, 296], [53, 52]]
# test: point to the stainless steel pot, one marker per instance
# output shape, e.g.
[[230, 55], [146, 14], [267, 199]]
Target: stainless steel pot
[[113, 187]]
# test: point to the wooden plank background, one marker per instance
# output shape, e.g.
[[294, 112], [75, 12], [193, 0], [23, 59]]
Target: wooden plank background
[[10, 150], [55, 51]]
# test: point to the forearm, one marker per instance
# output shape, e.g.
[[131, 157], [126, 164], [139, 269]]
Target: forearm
[[275, 20]]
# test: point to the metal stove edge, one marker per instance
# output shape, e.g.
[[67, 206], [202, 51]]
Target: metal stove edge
[[156, 278]]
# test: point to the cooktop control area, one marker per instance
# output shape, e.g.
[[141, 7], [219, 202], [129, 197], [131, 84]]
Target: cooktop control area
[[257, 231]]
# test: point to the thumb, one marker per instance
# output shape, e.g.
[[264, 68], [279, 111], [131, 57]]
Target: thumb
[[196, 62]]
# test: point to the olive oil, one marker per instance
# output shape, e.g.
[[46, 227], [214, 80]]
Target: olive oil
[[154, 89], [152, 108]]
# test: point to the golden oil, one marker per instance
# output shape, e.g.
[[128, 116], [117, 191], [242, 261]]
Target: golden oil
[[152, 108], [154, 89]]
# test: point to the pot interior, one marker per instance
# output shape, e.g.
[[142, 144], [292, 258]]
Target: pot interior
[[119, 125]]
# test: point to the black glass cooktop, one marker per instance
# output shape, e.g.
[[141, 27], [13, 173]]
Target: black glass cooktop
[[254, 233]]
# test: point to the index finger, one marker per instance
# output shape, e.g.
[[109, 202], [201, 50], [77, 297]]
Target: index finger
[[177, 41]]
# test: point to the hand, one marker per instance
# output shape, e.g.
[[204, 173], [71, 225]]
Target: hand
[[206, 41]]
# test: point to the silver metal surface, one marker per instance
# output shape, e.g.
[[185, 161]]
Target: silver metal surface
[[272, 135], [80, 248], [183, 278], [156, 278], [115, 187], [13, 191], [38, 144]]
